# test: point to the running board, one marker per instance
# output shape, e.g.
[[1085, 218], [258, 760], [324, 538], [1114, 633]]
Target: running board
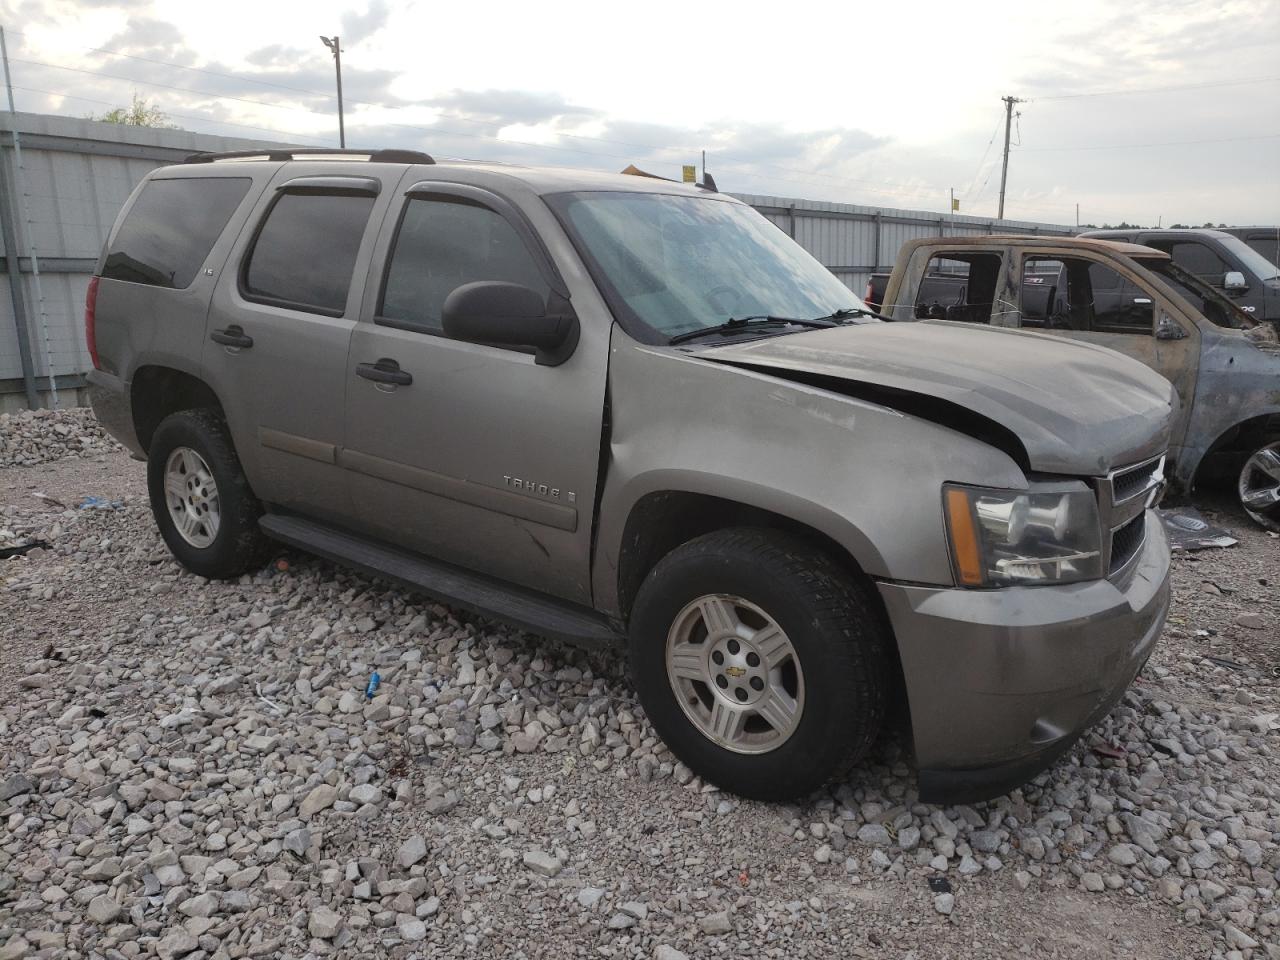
[[471, 591]]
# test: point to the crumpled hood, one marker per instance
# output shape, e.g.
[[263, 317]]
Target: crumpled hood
[[1077, 408]]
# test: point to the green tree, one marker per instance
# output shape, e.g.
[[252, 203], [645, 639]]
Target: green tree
[[139, 113]]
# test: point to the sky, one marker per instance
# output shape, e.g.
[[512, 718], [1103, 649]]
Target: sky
[[1142, 111]]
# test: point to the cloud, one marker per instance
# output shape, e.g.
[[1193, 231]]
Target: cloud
[[357, 26], [504, 107]]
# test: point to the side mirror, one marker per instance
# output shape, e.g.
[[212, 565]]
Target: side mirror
[[1234, 281], [511, 315], [1168, 329]]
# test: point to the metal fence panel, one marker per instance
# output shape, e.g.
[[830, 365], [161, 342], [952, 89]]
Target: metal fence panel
[[855, 241]]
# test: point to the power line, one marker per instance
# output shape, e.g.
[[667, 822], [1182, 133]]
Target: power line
[[978, 171], [1166, 143], [1243, 81]]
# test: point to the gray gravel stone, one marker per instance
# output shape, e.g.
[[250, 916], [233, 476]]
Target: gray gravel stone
[[539, 861], [716, 924]]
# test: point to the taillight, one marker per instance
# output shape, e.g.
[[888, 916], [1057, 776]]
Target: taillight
[[90, 321]]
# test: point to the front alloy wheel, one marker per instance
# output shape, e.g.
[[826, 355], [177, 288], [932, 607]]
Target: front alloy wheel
[[1259, 485], [735, 674], [760, 661]]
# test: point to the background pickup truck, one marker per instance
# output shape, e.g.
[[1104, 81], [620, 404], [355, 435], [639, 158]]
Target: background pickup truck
[[1264, 240], [1140, 302], [1223, 261]]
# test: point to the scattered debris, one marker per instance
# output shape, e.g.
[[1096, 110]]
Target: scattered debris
[[99, 503], [1189, 530], [20, 549]]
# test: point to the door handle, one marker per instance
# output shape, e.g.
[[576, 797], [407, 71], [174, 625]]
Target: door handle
[[233, 336], [385, 370]]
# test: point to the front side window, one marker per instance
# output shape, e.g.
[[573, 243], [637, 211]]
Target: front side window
[[671, 264], [1085, 295], [1207, 300], [445, 242], [171, 228], [305, 252], [1198, 259]]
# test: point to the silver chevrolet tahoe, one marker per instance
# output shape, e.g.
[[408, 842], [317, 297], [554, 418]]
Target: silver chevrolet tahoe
[[603, 407]]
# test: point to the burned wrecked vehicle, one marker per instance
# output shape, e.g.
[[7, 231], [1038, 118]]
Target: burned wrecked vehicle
[[1224, 365]]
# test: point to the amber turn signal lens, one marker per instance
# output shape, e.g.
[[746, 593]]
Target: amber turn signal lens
[[964, 538]]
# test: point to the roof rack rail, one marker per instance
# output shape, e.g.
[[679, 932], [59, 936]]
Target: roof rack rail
[[372, 156]]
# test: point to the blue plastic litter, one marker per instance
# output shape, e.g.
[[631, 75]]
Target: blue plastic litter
[[372, 688], [100, 503]]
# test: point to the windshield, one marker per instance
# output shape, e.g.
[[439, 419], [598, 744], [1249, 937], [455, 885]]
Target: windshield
[[1253, 261], [1213, 305], [673, 264]]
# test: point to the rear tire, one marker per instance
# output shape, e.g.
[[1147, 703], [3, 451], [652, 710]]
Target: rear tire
[[206, 512], [1258, 485], [760, 662]]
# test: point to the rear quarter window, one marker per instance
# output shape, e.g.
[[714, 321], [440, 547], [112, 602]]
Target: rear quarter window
[[171, 228]]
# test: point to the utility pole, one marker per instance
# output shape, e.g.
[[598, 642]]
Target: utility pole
[[1077, 216], [1004, 169], [704, 166], [333, 44]]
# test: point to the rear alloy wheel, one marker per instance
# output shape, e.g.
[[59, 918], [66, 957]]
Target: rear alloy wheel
[[1259, 485], [206, 512], [191, 494], [760, 661]]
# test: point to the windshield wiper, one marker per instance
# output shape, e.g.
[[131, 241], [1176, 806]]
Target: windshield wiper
[[734, 324], [848, 313]]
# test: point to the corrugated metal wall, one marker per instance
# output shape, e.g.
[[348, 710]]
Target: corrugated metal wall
[[854, 242], [74, 177], [76, 174]]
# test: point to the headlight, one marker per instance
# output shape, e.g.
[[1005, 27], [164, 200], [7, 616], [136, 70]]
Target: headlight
[[1004, 537]]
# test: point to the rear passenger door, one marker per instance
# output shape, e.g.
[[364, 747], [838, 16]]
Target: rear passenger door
[[279, 329], [480, 456]]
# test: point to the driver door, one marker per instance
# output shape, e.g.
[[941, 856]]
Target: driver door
[[479, 456]]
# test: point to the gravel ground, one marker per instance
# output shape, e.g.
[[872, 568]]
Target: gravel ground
[[192, 769]]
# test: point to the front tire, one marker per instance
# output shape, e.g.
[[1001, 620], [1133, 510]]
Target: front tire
[[206, 512], [760, 662], [1259, 484]]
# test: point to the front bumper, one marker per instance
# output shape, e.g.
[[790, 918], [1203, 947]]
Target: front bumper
[[1002, 682]]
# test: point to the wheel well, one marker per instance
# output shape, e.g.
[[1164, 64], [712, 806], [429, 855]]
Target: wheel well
[[157, 392], [1226, 455], [660, 522]]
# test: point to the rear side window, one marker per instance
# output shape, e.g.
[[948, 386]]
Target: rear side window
[[960, 287], [171, 228], [305, 251], [443, 243]]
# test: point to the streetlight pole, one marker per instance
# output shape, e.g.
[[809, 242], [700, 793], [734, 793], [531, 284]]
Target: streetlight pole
[[333, 44]]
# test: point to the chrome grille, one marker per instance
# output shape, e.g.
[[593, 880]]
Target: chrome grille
[[1134, 481], [1126, 541], [1123, 498]]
